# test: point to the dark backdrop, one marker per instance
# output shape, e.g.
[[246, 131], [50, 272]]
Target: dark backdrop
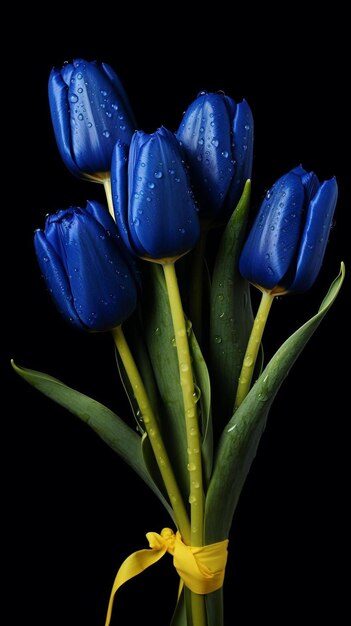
[[72, 509]]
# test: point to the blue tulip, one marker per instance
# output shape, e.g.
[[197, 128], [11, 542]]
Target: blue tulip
[[286, 244], [216, 136], [87, 273], [90, 112], [154, 206]]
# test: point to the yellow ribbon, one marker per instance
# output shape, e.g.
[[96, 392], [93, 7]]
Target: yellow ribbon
[[200, 569]]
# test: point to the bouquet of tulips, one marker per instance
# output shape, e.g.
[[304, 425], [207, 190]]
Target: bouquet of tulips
[[167, 268]]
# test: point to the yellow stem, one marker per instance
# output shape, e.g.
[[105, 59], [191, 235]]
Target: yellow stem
[[196, 497], [190, 408], [154, 434], [252, 349], [108, 192]]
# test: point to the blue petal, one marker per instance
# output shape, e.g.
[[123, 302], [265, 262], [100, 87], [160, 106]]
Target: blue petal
[[60, 115], [101, 283], [163, 221], [243, 136], [205, 137], [274, 237], [311, 185], [98, 118], [119, 184], [118, 87], [56, 278], [100, 212], [315, 235]]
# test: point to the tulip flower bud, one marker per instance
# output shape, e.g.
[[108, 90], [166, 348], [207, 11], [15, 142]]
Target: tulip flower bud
[[90, 112], [216, 136], [154, 206], [286, 244], [85, 267]]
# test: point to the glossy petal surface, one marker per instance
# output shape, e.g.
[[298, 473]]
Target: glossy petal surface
[[315, 236], [85, 271], [243, 136], [205, 137], [162, 216], [90, 112], [274, 237], [286, 244]]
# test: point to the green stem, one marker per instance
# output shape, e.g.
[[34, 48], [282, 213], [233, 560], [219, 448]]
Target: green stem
[[108, 192], [196, 285], [252, 349], [153, 432], [196, 497]]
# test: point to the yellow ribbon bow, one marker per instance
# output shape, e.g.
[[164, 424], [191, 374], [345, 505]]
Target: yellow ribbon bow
[[200, 569]]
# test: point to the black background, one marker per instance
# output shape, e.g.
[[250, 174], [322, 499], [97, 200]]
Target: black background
[[72, 509]]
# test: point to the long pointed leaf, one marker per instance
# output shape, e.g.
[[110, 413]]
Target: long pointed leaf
[[231, 315], [238, 445], [111, 428], [203, 382], [159, 336]]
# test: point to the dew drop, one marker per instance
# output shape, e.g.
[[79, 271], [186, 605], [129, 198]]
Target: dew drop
[[45, 259], [215, 141], [103, 92], [192, 499], [81, 117], [201, 141], [195, 484], [106, 134], [157, 331], [114, 106], [80, 90], [184, 367], [218, 339], [80, 76], [158, 174], [89, 124], [191, 467], [74, 98], [225, 154], [151, 185]]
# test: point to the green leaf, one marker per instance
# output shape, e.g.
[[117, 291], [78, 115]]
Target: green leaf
[[136, 343], [202, 380], [154, 472], [111, 428], [231, 315], [239, 441], [159, 336], [179, 617]]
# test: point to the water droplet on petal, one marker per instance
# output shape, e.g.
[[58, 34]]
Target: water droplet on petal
[[151, 185], [106, 134], [158, 174], [215, 142], [74, 98], [218, 339]]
